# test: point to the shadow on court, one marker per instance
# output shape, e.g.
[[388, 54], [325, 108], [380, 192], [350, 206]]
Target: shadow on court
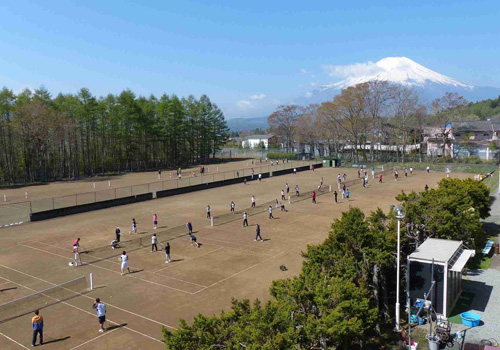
[[56, 340], [115, 327]]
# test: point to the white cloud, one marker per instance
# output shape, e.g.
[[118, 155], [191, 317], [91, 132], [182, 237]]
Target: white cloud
[[352, 70], [243, 104], [313, 83], [309, 94], [258, 97], [303, 71]]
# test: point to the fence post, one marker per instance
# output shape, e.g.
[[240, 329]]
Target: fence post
[[91, 282], [53, 207], [115, 193], [95, 197], [212, 221]]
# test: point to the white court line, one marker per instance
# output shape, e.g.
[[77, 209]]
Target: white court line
[[1, 284], [83, 295], [188, 259], [70, 251], [111, 261], [237, 273], [104, 268], [80, 309], [91, 340], [12, 340], [242, 244]]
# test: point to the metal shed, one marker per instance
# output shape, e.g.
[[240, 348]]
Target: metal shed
[[449, 259]]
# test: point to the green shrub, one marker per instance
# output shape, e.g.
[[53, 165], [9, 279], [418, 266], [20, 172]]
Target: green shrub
[[275, 155]]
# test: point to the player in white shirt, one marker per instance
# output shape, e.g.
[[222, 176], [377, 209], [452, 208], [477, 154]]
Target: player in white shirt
[[154, 243], [124, 260], [270, 210]]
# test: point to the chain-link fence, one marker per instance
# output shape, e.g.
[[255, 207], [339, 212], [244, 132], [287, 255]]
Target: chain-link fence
[[15, 213]]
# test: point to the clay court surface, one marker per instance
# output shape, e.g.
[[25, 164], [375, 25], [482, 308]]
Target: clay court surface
[[47, 196], [228, 264]]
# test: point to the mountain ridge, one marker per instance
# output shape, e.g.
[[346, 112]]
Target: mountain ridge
[[406, 72]]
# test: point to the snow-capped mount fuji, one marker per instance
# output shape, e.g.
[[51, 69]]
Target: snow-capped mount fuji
[[406, 72]]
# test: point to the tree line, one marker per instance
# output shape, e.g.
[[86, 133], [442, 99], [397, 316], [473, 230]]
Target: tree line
[[344, 296], [72, 135], [364, 116]]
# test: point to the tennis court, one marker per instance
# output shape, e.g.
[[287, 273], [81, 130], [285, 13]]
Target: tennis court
[[229, 263]]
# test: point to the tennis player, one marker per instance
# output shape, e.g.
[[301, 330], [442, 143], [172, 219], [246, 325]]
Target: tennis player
[[124, 260], [155, 221], [101, 313], [76, 246]]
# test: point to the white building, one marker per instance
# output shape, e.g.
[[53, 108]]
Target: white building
[[253, 141]]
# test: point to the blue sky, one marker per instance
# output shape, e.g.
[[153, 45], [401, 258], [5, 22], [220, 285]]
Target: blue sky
[[247, 56]]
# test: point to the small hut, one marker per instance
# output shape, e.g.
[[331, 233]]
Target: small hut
[[446, 259]]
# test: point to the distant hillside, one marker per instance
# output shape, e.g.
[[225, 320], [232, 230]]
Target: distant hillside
[[241, 124], [485, 109]]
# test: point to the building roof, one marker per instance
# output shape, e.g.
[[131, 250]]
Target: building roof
[[441, 250], [259, 137], [482, 125]]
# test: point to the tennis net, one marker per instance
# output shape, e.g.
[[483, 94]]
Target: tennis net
[[263, 207], [106, 252], [42, 299]]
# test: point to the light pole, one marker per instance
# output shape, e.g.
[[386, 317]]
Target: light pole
[[400, 215]]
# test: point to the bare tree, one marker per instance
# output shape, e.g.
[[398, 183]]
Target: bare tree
[[445, 110], [283, 123], [348, 111], [378, 98], [405, 104]]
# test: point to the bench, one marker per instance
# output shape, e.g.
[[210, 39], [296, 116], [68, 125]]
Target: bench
[[488, 247]]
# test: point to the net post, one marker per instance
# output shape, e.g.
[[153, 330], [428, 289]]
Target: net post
[[93, 185], [91, 281], [212, 221], [109, 183], [330, 188], [289, 200]]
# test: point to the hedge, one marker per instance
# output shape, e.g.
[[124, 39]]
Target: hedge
[[275, 155]]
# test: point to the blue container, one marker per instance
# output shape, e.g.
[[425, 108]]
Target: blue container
[[421, 321], [470, 319]]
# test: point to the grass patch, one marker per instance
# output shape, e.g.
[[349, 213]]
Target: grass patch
[[492, 182], [479, 262], [463, 305]]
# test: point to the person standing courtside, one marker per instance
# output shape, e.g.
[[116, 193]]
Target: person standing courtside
[[37, 323]]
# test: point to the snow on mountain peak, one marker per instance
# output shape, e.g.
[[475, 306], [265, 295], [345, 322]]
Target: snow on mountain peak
[[397, 70]]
